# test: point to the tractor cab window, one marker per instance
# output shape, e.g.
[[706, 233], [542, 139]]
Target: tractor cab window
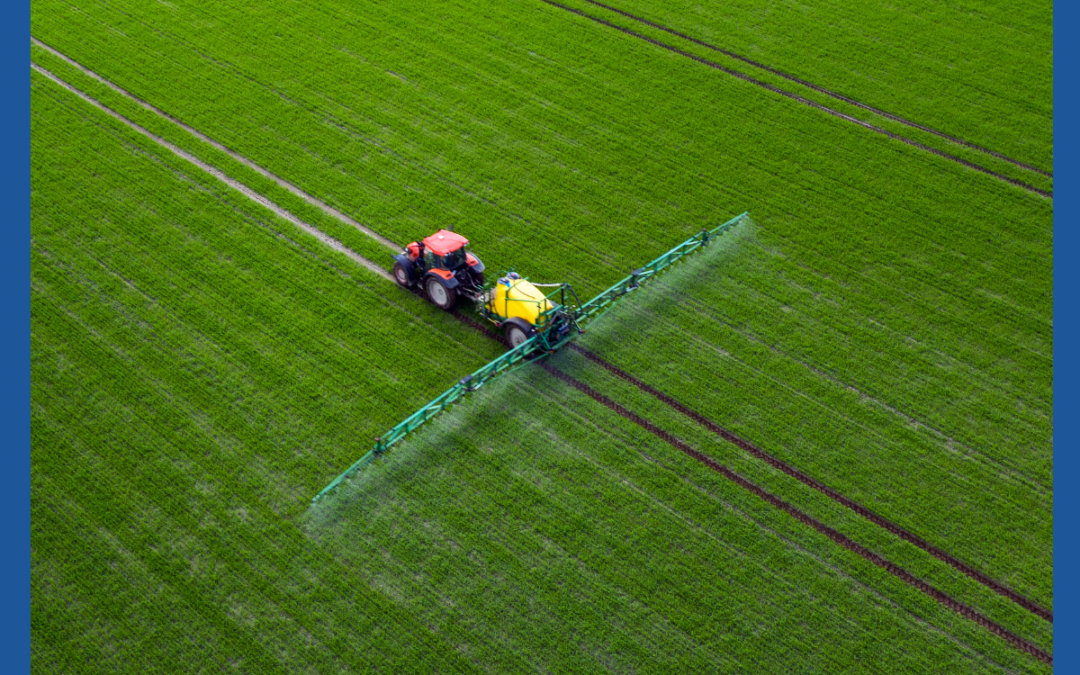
[[429, 259], [455, 259]]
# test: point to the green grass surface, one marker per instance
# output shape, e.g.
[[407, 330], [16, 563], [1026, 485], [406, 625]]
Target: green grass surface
[[922, 438], [689, 45], [172, 133], [197, 366], [201, 368], [543, 518], [541, 132], [982, 71]]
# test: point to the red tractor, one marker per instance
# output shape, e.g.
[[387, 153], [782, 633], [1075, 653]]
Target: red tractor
[[441, 267]]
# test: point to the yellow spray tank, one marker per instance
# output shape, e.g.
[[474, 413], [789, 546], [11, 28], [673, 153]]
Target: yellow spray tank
[[523, 310], [514, 296]]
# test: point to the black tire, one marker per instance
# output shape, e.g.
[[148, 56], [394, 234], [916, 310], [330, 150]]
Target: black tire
[[401, 275], [515, 335], [439, 295]]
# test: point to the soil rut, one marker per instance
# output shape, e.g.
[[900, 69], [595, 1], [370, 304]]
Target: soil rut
[[806, 101], [239, 187], [866, 513], [897, 571]]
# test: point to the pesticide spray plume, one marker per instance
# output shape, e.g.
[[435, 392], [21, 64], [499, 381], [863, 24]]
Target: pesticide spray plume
[[696, 262]]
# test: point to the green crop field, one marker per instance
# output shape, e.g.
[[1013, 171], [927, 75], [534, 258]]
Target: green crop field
[[878, 333]]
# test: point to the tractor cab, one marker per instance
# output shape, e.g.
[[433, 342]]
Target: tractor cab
[[440, 266], [442, 250]]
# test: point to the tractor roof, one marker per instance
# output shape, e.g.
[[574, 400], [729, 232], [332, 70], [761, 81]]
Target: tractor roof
[[444, 241]]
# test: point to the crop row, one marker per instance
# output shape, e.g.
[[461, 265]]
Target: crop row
[[166, 129], [805, 519], [545, 474], [874, 121], [468, 126], [984, 404], [820, 507], [214, 546], [757, 67], [985, 75], [171, 401], [963, 503], [802, 477]]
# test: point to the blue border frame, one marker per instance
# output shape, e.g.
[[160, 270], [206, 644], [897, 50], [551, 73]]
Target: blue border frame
[[15, 394], [1067, 502]]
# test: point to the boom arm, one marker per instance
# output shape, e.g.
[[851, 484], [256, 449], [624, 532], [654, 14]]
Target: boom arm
[[526, 351]]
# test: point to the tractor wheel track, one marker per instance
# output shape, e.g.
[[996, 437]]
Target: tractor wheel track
[[218, 174], [786, 468], [805, 101], [321, 205], [823, 90], [866, 513], [476, 325], [841, 539]]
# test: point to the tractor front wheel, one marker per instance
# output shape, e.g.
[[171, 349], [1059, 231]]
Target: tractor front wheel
[[401, 275], [440, 295]]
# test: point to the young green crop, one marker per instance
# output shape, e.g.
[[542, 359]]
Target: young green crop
[[537, 132], [172, 133], [559, 505], [983, 73], [201, 368], [972, 486], [800, 92]]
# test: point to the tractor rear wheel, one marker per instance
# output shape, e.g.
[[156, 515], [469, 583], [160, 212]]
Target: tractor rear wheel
[[401, 275], [440, 295], [515, 335]]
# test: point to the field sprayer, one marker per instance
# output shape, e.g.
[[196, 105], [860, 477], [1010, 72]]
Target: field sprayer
[[536, 324], [443, 270]]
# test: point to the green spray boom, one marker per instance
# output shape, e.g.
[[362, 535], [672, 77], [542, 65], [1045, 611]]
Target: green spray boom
[[577, 318]]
